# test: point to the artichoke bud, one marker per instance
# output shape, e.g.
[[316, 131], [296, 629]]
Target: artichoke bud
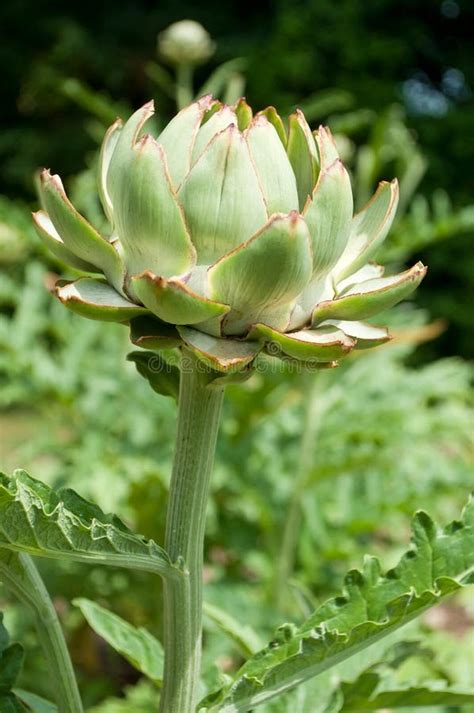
[[185, 42], [230, 235]]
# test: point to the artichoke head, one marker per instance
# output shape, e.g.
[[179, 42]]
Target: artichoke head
[[230, 233], [185, 42]]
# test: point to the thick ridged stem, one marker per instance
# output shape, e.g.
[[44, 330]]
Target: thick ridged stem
[[199, 410], [20, 576]]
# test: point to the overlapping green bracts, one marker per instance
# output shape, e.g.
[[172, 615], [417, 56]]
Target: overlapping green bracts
[[235, 230]]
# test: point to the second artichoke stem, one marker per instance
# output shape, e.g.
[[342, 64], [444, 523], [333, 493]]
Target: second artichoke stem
[[198, 422], [316, 387]]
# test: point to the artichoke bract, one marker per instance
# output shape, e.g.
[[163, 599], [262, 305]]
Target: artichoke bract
[[230, 233]]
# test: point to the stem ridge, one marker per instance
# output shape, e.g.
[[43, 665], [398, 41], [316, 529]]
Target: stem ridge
[[199, 409]]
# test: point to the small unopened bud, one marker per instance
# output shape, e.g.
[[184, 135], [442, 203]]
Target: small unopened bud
[[185, 42]]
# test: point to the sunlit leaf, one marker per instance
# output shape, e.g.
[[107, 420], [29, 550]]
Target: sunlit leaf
[[137, 645], [36, 519], [372, 606]]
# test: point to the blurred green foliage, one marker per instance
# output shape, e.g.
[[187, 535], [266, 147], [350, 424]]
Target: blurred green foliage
[[367, 444]]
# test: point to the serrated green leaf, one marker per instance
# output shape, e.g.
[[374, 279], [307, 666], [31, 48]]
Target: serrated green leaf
[[36, 519], [372, 606], [137, 645]]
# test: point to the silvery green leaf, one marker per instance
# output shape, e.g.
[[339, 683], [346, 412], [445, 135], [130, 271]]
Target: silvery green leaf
[[52, 240], [273, 166], [173, 301], [149, 221], [264, 274], [36, 519], [328, 214], [303, 156], [178, 137], [140, 648], [221, 196], [105, 156], [368, 298], [97, 300], [77, 234], [369, 229], [223, 355], [372, 606]]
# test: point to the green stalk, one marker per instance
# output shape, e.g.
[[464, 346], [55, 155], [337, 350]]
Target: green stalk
[[317, 402], [184, 85], [199, 408], [21, 577]]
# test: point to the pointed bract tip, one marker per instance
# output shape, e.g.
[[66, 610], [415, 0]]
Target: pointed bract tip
[[117, 124], [37, 216], [419, 268], [206, 101], [54, 179], [294, 217]]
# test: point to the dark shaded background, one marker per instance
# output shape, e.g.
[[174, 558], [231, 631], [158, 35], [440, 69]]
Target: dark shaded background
[[383, 51]]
